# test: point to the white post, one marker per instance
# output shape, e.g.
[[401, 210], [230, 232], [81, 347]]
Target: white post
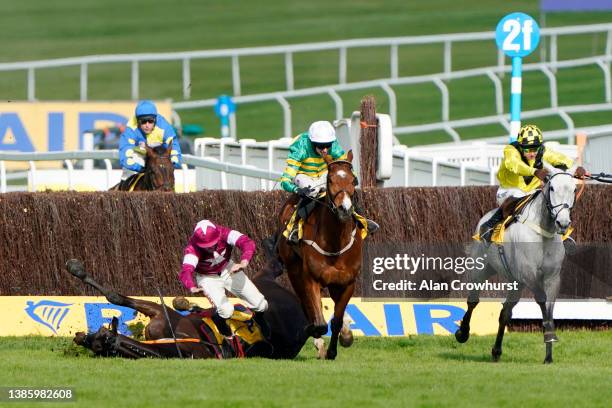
[[2, 177], [88, 145], [83, 82]]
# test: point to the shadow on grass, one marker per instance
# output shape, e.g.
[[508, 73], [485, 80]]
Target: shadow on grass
[[478, 358]]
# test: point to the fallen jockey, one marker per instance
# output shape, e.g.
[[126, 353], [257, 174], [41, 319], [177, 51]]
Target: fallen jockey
[[306, 173], [521, 173], [207, 255]]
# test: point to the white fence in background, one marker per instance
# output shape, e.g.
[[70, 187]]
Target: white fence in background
[[185, 180], [250, 165], [440, 81], [288, 51]]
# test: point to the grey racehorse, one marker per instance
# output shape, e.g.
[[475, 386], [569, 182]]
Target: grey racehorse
[[532, 256]]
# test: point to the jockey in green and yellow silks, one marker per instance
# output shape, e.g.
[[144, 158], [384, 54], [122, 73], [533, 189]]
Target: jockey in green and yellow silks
[[306, 170], [521, 173]]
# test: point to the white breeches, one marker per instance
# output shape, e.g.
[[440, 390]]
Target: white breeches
[[236, 283], [503, 193], [318, 184]]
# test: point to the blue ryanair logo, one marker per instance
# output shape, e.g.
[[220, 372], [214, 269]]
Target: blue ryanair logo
[[48, 313]]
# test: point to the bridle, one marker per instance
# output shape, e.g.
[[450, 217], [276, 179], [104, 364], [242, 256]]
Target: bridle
[[551, 208], [151, 174], [332, 198]]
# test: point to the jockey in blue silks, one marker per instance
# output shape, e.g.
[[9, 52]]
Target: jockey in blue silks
[[150, 128]]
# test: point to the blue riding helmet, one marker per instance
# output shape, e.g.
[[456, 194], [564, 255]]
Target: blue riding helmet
[[146, 108]]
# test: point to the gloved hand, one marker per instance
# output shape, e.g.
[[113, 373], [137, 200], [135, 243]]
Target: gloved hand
[[541, 174], [580, 172], [304, 192]]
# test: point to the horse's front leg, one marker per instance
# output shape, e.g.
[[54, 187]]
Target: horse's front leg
[[341, 296], [309, 293], [547, 305]]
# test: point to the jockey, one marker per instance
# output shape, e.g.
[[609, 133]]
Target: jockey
[[208, 253], [521, 173], [306, 170], [150, 128]]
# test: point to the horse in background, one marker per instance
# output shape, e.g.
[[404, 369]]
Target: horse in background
[[329, 255], [532, 254], [158, 174], [284, 318]]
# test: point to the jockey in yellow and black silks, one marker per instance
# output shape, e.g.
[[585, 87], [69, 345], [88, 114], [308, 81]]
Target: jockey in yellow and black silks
[[521, 173], [306, 170], [150, 128]]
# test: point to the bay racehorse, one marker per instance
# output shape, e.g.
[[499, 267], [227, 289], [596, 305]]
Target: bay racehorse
[[328, 256], [158, 174], [532, 254], [284, 334]]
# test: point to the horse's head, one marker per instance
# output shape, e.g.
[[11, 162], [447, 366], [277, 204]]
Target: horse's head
[[159, 168], [100, 342], [559, 195], [341, 184]]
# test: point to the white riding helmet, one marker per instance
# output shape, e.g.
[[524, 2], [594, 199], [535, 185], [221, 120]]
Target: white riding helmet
[[322, 132]]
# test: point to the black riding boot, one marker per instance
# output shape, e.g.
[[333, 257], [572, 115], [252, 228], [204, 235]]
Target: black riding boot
[[372, 225], [486, 229], [221, 324]]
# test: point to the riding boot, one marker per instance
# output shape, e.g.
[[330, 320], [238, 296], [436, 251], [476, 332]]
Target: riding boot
[[486, 229], [372, 225], [293, 238], [263, 325], [221, 324]]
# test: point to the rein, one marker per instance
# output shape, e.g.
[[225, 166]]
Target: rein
[[329, 203]]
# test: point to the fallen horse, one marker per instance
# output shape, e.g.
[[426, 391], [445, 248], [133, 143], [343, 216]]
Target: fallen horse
[[170, 334]]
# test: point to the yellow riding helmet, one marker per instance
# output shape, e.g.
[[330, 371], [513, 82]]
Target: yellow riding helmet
[[530, 136]]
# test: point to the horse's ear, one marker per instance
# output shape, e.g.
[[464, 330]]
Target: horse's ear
[[114, 324], [169, 148], [349, 156], [328, 159]]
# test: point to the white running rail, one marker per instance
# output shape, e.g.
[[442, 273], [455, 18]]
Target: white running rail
[[185, 58]]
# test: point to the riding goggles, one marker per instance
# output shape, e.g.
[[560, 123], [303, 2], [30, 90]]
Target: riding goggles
[[322, 146], [142, 121], [530, 149]]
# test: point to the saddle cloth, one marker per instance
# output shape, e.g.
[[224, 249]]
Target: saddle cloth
[[245, 329], [361, 220]]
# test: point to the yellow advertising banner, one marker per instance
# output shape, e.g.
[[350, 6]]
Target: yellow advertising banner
[[57, 126], [66, 315]]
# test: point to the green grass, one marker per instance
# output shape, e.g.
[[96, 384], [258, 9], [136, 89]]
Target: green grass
[[412, 371], [38, 29]]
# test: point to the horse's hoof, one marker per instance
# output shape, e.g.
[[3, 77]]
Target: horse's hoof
[[331, 355], [346, 338], [320, 346], [76, 268], [495, 355], [462, 336], [548, 361]]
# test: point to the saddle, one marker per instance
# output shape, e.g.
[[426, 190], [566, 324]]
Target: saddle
[[248, 333], [130, 183], [499, 231]]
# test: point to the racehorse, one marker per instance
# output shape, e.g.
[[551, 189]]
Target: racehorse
[[158, 172], [532, 254], [284, 318], [328, 256]]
